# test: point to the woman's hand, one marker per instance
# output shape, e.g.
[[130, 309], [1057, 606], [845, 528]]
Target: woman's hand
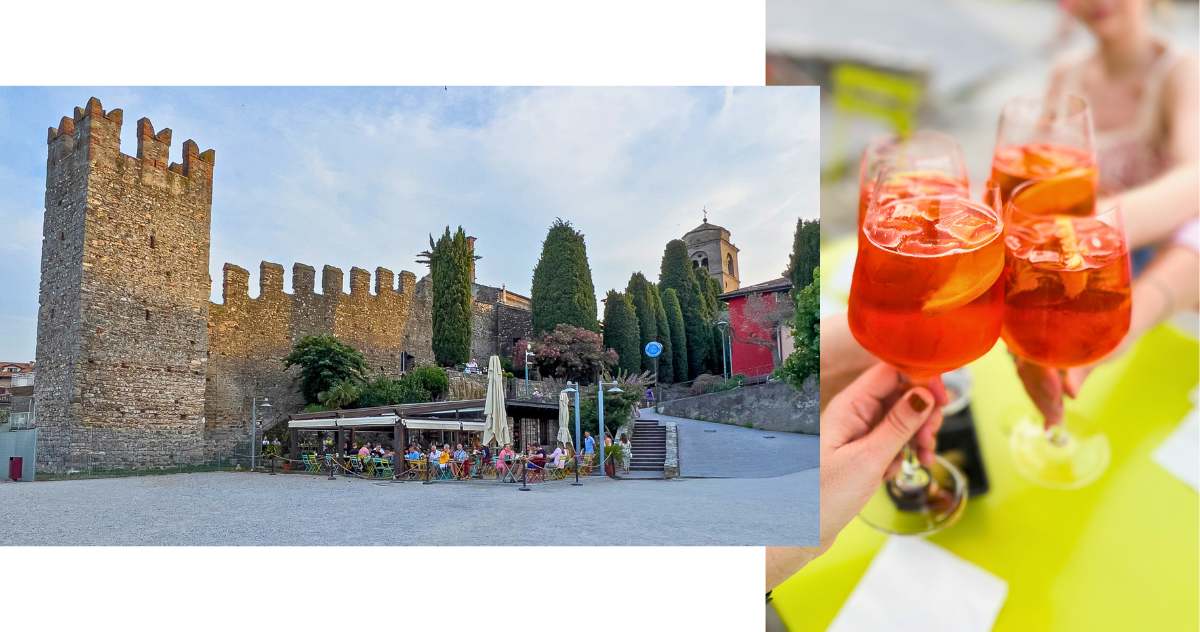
[[863, 430], [1046, 386]]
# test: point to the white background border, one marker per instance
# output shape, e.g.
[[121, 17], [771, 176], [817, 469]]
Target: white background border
[[350, 42]]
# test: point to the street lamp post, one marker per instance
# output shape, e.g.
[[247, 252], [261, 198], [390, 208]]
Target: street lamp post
[[600, 384], [723, 327], [528, 354], [255, 404]]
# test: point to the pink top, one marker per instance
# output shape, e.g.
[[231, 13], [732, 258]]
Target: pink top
[[1135, 152], [364, 452]]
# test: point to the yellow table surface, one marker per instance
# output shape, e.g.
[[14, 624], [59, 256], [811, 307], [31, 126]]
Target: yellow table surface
[[1119, 554]]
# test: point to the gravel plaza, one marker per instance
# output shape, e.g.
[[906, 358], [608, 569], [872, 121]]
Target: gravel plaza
[[237, 508]]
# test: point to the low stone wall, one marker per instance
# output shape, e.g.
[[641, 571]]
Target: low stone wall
[[771, 406]]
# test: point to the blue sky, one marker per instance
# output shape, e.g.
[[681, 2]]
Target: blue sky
[[361, 176]]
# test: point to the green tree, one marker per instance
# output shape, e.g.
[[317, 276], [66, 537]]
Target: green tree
[[666, 363], [572, 353], [562, 291], [324, 361], [450, 261], [806, 253], [679, 352], [621, 331], [640, 292], [806, 359], [677, 274], [341, 394]]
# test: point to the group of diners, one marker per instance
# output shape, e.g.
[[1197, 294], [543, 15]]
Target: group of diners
[[476, 460]]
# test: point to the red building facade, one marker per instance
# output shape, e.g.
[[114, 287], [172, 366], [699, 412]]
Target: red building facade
[[758, 327]]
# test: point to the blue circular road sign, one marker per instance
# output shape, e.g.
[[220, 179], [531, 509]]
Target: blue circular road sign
[[653, 348]]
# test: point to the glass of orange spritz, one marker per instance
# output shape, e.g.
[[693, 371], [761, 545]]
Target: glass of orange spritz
[[1047, 142], [924, 163], [926, 297], [1067, 304]]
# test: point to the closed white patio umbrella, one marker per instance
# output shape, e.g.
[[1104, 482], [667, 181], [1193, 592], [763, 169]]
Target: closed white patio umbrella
[[564, 419], [496, 431]]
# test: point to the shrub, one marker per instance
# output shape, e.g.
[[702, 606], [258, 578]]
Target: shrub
[[572, 353], [324, 361], [431, 379]]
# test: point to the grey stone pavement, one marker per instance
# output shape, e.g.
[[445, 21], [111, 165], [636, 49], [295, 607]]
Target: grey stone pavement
[[708, 449], [236, 508]]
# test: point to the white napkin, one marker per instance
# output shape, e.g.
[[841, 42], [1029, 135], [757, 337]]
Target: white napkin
[[914, 585], [1180, 453]]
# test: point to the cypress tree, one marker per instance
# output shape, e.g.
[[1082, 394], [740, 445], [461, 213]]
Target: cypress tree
[[679, 352], [666, 360], [450, 262], [806, 253], [638, 292], [677, 273], [621, 331], [562, 291]]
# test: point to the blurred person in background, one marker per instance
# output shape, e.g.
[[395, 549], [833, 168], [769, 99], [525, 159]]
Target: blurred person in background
[[1143, 95]]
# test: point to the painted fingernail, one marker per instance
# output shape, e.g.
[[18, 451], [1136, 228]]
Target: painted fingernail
[[917, 402]]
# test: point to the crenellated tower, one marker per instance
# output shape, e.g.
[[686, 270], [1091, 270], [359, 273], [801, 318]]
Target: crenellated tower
[[123, 307]]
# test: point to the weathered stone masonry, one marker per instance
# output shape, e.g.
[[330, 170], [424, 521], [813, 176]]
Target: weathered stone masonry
[[136, 367], [122, 322]]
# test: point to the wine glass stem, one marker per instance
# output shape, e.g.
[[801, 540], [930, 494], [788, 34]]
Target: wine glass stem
[[911, 474]]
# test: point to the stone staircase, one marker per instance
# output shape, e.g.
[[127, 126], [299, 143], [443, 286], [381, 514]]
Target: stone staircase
[[649, 447]]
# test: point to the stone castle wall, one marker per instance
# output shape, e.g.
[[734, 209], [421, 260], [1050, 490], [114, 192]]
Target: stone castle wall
[[122, 327], [250, 337]]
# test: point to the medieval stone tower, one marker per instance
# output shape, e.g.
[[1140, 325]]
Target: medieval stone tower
[[709, 248], [122, 321]]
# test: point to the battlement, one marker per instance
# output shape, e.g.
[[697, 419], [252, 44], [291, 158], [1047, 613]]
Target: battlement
[[235, 282], [100, 132]]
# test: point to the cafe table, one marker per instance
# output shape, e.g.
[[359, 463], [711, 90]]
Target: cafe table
[[1118, 554]]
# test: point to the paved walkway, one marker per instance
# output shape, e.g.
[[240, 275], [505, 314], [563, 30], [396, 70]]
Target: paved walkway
[[713, 450], [233, 508]]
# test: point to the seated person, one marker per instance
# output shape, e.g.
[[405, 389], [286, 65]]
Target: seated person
[[461, 457], [364, 451], [413, 454], [558, 456], [505, 456], [444, 456]]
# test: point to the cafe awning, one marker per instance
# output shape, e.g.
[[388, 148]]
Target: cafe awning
[[330, 423]]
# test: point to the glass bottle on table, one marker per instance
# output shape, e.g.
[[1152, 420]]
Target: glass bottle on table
[[1067, 304], [1047, 142], [927, 298]]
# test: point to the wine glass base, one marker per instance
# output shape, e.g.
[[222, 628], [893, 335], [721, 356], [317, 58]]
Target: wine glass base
[[1066, 461], [899, 511]]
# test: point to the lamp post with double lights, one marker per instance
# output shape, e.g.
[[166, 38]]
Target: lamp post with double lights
[[528, 354], [255, 404], [723, 327], [600, 412]]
